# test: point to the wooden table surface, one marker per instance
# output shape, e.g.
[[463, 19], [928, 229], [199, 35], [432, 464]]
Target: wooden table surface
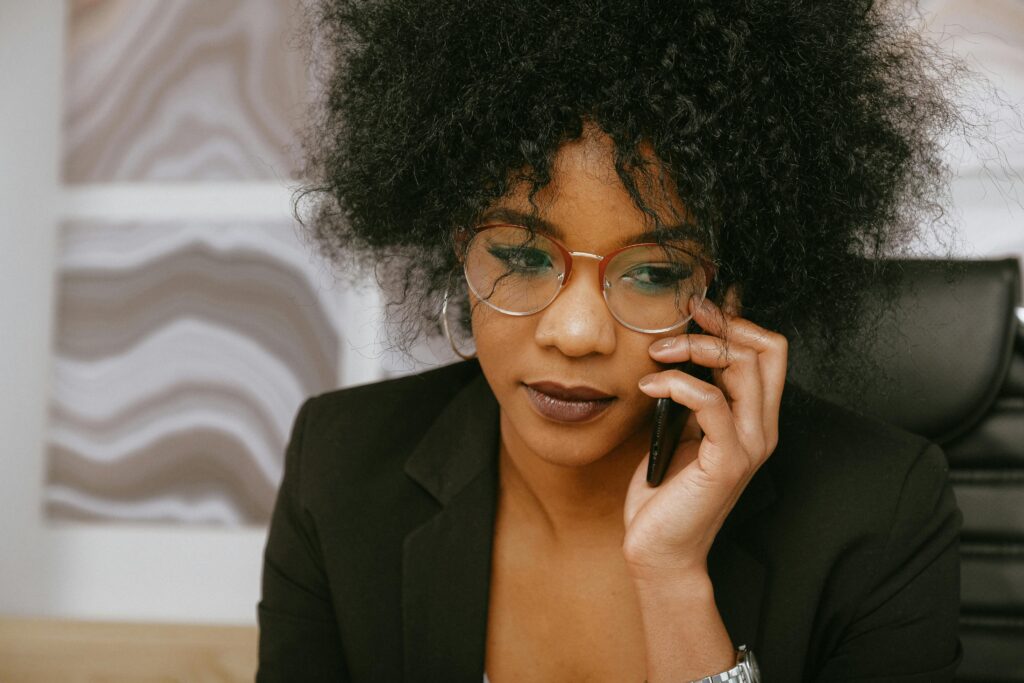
[[58, 651]]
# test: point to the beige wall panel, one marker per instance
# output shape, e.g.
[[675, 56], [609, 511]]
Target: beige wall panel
[[183, 351], [181, 90]]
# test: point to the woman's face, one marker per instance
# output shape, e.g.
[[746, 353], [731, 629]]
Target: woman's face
[[574, 342]]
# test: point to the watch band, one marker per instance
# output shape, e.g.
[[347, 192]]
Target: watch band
[[745, 671]]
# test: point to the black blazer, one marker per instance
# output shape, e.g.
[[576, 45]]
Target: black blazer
[[839, 562]]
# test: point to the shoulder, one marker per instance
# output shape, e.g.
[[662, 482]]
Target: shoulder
[[864, 534], [367, 431], [852, 480], [824, 444], [395, 405]]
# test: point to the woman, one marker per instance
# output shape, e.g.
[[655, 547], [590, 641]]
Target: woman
[[606, 191]]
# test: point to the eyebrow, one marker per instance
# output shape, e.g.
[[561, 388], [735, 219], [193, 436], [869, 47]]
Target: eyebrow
[[684, 231]]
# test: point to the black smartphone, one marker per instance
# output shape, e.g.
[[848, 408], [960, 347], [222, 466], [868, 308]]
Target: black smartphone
[[669, 419]]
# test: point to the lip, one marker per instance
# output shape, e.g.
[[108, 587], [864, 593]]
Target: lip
[[567, 404]]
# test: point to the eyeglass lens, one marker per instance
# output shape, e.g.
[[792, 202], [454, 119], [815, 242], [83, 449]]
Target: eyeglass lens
[[647, 287]]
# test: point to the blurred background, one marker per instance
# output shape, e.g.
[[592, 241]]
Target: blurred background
[[161, 318]]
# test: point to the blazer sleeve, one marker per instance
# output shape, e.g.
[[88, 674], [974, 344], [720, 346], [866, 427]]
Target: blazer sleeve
[[906, 626], [298, 632]]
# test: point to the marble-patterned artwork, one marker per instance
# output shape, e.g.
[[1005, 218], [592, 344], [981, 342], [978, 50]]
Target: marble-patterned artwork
[[159, 90], [183, 351]]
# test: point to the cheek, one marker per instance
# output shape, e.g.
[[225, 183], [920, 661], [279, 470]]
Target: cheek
[[502, 346], [634, 356], [496, 331]]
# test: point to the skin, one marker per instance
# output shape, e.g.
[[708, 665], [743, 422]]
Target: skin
[[568, 489]]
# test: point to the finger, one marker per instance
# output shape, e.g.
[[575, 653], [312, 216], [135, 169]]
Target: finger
[[711, 410], [738, 375], [772, 349], [742, 331], [705, 349], [691, 429]]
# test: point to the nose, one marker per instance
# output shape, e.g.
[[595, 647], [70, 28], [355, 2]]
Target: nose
[[578, 322]]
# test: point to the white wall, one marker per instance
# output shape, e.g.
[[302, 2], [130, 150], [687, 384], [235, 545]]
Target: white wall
[[988, 192], [30, 63]]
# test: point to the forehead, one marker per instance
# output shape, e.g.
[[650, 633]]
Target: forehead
[[682, 233], [587, 207]]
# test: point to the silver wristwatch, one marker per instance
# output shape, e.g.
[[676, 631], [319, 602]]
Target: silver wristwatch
[[745, 671]]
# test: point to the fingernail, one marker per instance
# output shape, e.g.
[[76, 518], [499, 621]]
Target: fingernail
[[662, 344], [646, 381]]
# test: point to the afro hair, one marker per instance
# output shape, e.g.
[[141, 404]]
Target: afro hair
[[805, 137]]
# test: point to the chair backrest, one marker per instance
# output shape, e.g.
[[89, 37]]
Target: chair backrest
[[953, 349]]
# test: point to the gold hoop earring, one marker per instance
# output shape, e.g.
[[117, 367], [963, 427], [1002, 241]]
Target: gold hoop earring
[[448, 333]]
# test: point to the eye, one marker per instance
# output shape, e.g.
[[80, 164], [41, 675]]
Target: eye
[[521, 259], [657, 277]]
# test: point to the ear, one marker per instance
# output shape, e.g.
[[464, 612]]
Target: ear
[[732, 304]]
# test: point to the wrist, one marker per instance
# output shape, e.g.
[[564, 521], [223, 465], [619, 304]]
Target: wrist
[[684, 634], [693, 580]]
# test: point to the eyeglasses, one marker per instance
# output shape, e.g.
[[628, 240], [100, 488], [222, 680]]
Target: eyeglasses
[[647, 287]]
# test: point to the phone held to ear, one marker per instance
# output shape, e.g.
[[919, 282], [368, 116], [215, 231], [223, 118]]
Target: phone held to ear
[[669, 419]]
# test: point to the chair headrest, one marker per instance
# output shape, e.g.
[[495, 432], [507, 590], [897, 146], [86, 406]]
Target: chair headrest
[[945, 346]]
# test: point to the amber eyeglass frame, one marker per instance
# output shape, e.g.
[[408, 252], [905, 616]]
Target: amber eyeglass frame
[[466, 237]]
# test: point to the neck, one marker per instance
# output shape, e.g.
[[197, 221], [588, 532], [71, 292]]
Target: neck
[[570, 503]]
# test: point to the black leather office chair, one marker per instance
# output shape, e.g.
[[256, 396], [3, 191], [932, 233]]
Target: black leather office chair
[[954, 350]]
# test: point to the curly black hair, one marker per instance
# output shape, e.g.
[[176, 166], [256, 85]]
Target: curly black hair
[[805, 136]]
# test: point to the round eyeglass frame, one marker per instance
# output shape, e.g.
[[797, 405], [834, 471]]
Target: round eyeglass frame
[[710, 269]]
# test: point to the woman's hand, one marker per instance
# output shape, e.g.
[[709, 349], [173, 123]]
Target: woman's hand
[[730, 432]]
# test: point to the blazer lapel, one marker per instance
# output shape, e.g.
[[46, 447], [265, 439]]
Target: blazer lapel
[[447, 560]]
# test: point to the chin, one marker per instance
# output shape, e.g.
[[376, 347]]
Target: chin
[[567, 452]]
